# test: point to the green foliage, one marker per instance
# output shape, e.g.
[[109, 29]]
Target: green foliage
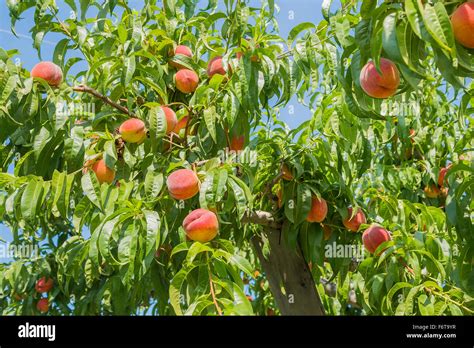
[[121, 249]]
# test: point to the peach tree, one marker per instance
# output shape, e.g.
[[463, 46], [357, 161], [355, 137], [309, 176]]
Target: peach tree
[[148, 165]]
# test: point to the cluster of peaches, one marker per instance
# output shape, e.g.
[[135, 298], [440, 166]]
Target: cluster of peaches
[[385, 84], [200, 225], [372, 237], [42, 286]]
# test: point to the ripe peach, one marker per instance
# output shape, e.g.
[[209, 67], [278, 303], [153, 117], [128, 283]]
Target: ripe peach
[[183, 184], [186, 80], [353, 224], [181, 50], [181, 124], [380, 86], [133, 130], [462, 21], [319, 210], [44, 285], [374, 236], [49, 72], [103, 173], [215, 66], [431, 191], [42, 305], [201, 225], [237, 143], [286, 173], [442, 175], [171, 119]]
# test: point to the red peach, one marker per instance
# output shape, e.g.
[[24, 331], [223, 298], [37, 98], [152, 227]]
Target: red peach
[[133, 130], [181, 50], [49, 72], [44, 285], [380, 86], [462, 22], [215, 66], [181, 124], [186, 81], [353, 224], [103, 173], [374, 236], [201, 225], [42, 305], [171, 119], [319, 210], [183, 184], [442, 175], [237, 143]]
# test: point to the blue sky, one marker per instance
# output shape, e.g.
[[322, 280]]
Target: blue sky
[[291, 13]]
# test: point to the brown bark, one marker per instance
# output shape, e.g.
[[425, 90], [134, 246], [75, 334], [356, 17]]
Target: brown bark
[[288, 274]]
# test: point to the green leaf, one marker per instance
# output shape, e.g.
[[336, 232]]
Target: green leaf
[[91, 187], [240, 197], [195, 250], [31, 199], [206, 194], [210, 118], [438, 25], [241, 263], [153, 184], [297, 30], [393, 290], [175, 288], [152, 231], [128, 71], [303, 203], [110, 156], [158, 126]]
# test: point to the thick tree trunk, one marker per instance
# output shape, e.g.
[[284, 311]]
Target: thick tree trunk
[[288, 274]]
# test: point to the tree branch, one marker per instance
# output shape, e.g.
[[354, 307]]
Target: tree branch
[[105, 99], [262, 218], [213, 294]]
